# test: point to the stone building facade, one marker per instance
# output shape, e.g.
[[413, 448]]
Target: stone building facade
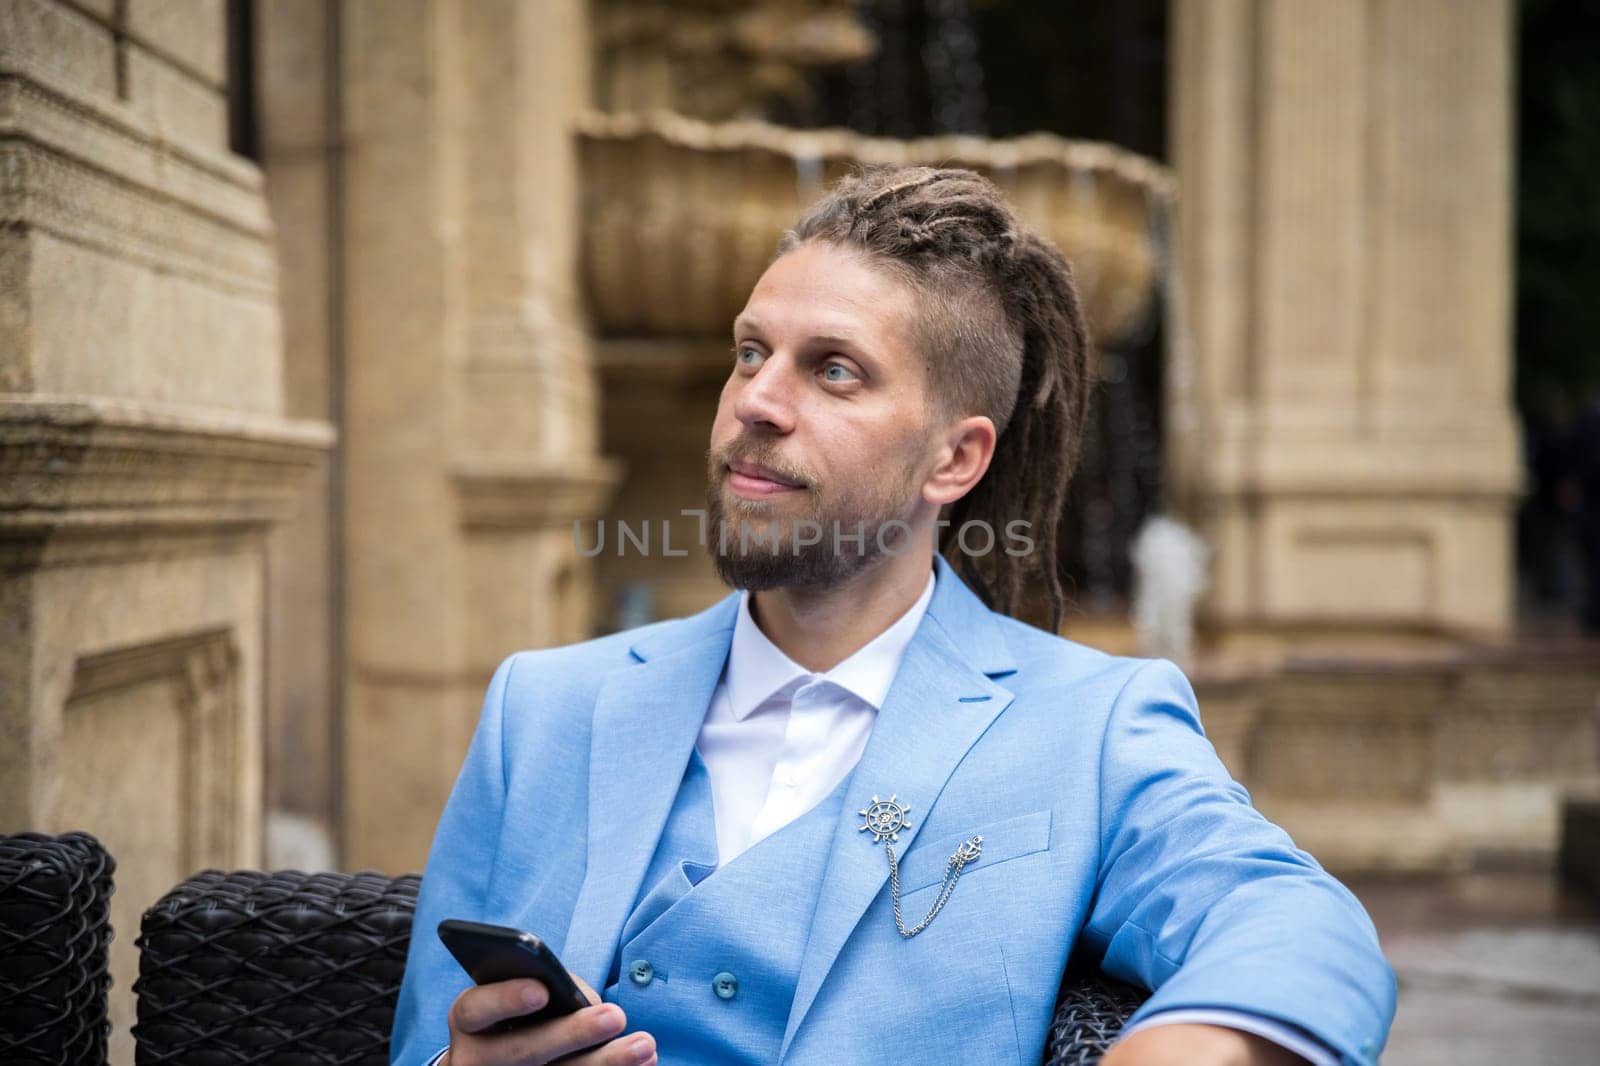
[[147, 455]]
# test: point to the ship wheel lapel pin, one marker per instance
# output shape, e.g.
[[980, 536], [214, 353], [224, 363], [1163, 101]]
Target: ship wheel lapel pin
[[884, 819]]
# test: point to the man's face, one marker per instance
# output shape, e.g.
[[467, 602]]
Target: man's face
[[822, 425]]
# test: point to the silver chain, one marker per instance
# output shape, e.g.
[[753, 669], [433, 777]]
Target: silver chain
[[967, 852]]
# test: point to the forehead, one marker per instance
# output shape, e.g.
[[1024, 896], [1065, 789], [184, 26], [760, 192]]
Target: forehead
[[822, 290]]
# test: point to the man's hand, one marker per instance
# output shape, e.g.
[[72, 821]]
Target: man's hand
[[479, 1008], [1190, 1044]]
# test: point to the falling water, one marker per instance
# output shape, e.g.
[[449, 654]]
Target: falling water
[[1120, 476], [1169, 557], [808, 171], [955, 76], [1170, 574], [886, 95], [880, 90]]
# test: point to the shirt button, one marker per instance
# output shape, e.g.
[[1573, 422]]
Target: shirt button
[[641, 972], [725, 985]]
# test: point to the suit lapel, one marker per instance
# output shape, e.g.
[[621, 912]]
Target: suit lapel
[[942, 700], [645, 724]]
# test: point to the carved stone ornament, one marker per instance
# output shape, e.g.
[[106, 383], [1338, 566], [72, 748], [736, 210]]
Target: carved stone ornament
[[682, 216], [90, 466]]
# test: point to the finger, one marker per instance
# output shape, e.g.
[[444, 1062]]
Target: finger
[[483, 1006], [561, 1036], [635, 1049]]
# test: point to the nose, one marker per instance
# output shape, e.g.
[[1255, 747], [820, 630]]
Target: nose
[[764, 400]]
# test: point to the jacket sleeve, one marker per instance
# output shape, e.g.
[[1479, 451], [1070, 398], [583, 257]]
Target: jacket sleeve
[[1203, 900], [454, 884]]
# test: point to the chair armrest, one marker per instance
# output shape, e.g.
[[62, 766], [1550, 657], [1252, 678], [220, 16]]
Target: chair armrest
[[235, 967]]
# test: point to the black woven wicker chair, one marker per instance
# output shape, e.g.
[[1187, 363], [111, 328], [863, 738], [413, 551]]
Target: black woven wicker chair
[[55, 935], [270, 968], [1090, 1013]]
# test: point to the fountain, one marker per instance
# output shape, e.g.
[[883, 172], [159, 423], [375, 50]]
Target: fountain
[[681, 215], [687, 186]]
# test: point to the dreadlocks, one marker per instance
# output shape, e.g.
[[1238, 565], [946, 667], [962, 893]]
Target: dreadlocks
[[1002, 335]]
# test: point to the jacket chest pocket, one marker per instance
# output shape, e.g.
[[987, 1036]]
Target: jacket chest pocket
[[1003, 840]]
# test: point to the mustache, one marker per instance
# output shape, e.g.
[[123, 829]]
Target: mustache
[[761, 455]]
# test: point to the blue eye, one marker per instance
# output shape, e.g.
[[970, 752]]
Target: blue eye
[[828, 372], [739, 352]]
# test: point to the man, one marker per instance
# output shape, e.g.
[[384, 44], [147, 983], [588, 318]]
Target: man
[[851, 814]]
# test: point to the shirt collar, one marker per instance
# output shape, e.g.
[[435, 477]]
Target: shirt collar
[[758, 668]]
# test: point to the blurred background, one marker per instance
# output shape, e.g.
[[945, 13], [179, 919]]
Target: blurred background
[[330, 332]]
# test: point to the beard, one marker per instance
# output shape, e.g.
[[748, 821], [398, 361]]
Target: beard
[[805, 538]]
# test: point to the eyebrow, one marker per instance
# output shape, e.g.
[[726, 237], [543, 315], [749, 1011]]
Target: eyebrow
[[749, 323]]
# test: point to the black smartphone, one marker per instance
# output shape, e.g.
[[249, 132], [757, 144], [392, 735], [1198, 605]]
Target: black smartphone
[[492, 953]]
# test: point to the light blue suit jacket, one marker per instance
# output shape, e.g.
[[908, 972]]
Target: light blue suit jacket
[[1107, 820]]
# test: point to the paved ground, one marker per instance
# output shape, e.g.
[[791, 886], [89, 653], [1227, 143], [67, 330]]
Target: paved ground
[[1497, 968]]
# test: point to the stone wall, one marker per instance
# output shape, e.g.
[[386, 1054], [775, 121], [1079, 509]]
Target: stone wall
[[144, 451]]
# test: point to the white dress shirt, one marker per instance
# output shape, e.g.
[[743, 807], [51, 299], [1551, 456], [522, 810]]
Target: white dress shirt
[[777, 738]]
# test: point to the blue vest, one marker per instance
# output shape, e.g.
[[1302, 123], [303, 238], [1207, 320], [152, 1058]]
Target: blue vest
[[708, 958]]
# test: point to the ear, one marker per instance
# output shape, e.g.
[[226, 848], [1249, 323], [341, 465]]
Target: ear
[[965, 450]]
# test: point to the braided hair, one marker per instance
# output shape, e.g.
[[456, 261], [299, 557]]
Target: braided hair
[[1002, 334]]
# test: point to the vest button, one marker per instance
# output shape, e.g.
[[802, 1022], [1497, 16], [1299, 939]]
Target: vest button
[[725, 985], [641, 972]]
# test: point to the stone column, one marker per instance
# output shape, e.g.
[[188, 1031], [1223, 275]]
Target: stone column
[[469, 408], [1342, 427], [144, 453], [296, 63]]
